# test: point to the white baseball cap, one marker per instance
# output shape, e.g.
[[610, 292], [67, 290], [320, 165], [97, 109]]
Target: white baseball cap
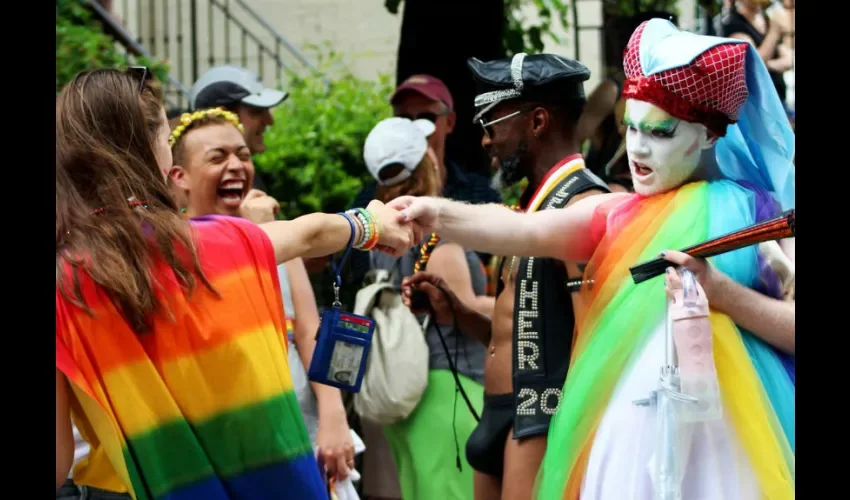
[[396, 140], [229, 85]]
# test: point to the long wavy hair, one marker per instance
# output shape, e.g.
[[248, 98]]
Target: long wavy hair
[[107, 122]]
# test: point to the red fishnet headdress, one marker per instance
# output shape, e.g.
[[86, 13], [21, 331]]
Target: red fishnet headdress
[[710, 90]]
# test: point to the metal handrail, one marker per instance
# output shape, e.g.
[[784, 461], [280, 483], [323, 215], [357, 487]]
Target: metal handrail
[[256, 40], [280, 39], [122, 36], [262, 22], [272, 47]]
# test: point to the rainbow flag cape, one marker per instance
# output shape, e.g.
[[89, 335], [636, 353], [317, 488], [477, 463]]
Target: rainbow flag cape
[[756, 387], [202, 406]]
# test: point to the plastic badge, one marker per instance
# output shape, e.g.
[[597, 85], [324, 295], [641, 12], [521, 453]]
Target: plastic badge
[[342, 348], [342, 342]]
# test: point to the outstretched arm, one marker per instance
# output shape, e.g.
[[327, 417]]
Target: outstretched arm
[[316, 235], [312, 235], [561, 234]]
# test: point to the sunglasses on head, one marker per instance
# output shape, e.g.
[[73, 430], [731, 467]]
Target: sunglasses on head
[[142, 73], [431, 117]]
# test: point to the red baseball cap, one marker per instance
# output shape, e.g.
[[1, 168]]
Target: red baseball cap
[[431, 87]]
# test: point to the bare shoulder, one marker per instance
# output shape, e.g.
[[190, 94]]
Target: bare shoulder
[[446, 251]]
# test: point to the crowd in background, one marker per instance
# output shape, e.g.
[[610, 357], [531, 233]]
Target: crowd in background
[[212, 173]]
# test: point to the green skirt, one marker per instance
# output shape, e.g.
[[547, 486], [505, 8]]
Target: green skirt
[[424, 446]]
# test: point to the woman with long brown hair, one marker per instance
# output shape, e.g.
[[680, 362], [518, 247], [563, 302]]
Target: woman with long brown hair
[[428, 446], [170, 344]]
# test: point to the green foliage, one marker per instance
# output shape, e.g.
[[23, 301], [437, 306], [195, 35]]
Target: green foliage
[[81, 44], [521, 36], [314, 151]]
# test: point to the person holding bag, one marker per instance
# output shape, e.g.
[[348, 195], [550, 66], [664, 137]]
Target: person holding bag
[[428, 445]]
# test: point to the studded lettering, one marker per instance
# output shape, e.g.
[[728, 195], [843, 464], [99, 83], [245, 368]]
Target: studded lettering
[[523, 327], [526, 406], [544, 400], [530, 359]]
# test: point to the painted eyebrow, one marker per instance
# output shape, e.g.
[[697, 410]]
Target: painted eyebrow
[[667, 124]]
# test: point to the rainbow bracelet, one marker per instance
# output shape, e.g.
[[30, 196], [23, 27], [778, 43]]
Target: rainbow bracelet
[[367, 228], [374, 229], [361, 226], [370, 234]]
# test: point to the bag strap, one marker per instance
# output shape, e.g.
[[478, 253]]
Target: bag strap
[[420, 265]]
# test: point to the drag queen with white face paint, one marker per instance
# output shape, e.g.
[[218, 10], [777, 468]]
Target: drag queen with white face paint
[[710, 152], [664, 152]]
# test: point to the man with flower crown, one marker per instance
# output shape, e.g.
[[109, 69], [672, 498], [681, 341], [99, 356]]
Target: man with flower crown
[[710, 152]]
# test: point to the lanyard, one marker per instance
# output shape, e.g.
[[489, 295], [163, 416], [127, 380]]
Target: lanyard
[[337, 270]]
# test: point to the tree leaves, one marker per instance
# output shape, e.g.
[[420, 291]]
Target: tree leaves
[[523, 36], [313, 159], [82, 45]]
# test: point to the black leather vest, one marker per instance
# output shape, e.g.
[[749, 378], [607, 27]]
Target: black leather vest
[[544, 322]]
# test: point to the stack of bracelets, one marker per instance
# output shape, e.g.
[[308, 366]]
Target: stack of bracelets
[[366, 222]]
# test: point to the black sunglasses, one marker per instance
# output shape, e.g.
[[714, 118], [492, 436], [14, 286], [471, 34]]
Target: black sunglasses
[[487, 126], [142, 73]]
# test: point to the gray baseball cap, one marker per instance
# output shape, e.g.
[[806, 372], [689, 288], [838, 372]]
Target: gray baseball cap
[[229, 85]]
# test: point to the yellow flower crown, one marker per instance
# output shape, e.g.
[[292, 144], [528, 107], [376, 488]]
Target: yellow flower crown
[[187, 119]]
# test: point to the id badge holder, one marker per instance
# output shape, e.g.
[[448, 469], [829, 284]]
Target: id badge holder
[[342, 343]]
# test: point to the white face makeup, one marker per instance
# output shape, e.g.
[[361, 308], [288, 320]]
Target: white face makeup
[[663, 151]]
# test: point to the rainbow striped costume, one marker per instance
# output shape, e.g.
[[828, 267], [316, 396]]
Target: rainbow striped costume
[[600, 442], [202, 406]]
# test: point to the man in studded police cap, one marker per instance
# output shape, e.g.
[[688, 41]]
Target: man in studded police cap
[[528, 106]]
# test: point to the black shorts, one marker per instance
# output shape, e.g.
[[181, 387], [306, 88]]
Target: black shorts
[[485, 448]]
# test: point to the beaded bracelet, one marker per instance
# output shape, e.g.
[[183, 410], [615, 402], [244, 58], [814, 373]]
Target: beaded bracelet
[[367, 228], [368, 224], [425, 253], [369, 239], [362, 229]]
